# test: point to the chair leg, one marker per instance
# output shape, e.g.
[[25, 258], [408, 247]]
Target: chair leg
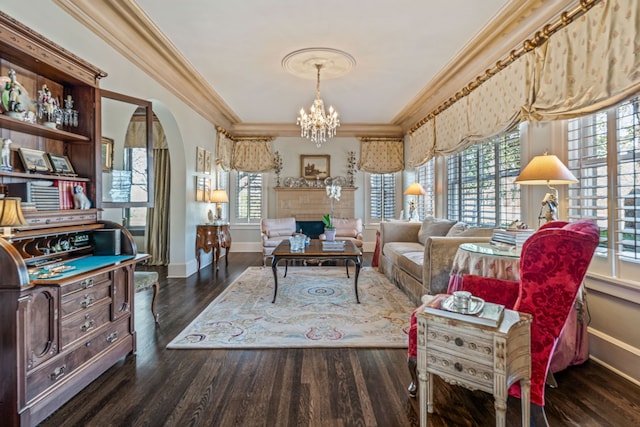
[[156, 287], [412, 364], [538, 416]]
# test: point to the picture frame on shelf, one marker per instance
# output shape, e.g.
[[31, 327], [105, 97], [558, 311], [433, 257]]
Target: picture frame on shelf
[[200, 159], [314, 166], [107, 154], [61, 165], [34, 160]]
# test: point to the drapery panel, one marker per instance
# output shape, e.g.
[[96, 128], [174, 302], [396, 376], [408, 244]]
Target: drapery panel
[[421, 145], [381, 155], [224, 151], [252, 156], [590, 64], [157, 236]]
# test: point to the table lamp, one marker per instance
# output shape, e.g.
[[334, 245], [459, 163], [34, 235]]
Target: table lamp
[[414, 189], [10, 214], [218, 197], [547, 170]]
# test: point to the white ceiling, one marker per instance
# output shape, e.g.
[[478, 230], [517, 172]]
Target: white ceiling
[[399, 46]]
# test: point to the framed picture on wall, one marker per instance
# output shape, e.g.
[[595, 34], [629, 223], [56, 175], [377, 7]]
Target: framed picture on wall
[[107, 154], [207, 162], [200, 158], [313, 166]]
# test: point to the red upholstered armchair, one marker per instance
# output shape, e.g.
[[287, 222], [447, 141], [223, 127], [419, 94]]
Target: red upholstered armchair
[[553, 264]]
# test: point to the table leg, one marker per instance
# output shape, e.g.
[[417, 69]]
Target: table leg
[[216, 256], [274, 268], [346, 264], [226, 255], [357, 262], [198, 258]]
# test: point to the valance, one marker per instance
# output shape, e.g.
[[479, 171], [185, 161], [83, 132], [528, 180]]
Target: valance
[[381, 155], [252, 156], [421, 145], [224, 151]]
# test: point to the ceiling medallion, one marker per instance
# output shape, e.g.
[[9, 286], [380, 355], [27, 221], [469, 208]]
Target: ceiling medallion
[[317, 125]]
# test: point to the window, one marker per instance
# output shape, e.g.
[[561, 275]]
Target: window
[[604, 154], [135, 160], [480, 182], [248, 197], [425, 175], [382, 196]]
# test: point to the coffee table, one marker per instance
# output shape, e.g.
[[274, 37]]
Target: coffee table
[[314, 252]]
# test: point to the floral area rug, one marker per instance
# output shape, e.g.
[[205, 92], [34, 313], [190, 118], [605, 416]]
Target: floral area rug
[[315, 307]]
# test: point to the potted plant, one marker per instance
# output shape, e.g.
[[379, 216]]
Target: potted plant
[[329, 229]]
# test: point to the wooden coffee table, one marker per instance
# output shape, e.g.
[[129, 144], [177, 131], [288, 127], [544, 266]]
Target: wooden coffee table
[[314, 252]]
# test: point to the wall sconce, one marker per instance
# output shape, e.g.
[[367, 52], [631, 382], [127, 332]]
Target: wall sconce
[[10, 214], [414, 189], [218, 197], [547, 170]]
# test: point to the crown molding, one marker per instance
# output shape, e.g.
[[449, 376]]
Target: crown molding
[[517, 21], [123, 25], [293, 130]]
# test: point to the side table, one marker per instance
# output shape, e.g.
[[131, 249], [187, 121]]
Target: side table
[[213, 237], [476, 357]]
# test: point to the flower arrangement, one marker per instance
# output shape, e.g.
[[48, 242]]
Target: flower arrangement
[[333, 192]]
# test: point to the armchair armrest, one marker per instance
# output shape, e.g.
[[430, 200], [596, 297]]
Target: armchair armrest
[[399, 232]]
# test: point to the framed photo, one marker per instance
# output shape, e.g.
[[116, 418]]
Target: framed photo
[[207, 162], [34, 160], [203, 188], [61, 164], [313, 166], [107, 154], [200, 159]]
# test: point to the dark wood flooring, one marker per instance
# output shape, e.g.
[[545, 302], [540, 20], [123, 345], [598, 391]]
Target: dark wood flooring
[[300, 387]]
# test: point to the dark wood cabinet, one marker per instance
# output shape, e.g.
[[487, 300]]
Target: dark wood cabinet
[[65, 312], [213, 237]]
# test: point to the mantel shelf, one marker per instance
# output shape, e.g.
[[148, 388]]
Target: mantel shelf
[[7, 122]]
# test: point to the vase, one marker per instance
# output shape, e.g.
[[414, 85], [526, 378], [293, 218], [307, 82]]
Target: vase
[[330, 234]]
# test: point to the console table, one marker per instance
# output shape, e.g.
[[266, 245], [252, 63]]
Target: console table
[[213, 237], [476, 357]]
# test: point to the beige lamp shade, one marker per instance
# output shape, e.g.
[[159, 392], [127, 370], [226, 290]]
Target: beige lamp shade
[[11, 212], [415, 189], [219, 196], [545, 170]]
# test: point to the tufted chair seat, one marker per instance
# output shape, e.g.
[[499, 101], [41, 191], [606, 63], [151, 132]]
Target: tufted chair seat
[[347, 229], [273, 231]]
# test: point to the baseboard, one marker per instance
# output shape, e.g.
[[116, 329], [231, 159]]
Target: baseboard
[[615, 355]]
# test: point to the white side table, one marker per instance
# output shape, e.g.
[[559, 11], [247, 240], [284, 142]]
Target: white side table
[[476, 357]]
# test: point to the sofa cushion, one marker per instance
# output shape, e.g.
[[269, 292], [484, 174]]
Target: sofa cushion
[[394, 250], [411, 262], [278, 232], [434, 227]]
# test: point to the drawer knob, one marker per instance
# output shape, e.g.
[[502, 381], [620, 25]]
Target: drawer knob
[[112, 337], [458, 366], [87, 301], [459, 342], [432, 335], [88, 325], [487, 350], [446, 338], [472, 371], [57, 373], [472, 346], [486, 376]]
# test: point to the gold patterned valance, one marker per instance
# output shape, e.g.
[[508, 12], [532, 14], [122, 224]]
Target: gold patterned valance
[[224, 150], [252, 156], [381, 155], [421, 145]]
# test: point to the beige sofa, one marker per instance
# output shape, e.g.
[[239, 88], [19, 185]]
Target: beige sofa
[[417, 257]]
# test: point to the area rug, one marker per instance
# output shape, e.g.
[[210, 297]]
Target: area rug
[[315, 307]]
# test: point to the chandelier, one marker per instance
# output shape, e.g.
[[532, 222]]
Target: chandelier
[[317, 125]]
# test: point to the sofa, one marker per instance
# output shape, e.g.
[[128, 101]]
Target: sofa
[[417, 256]]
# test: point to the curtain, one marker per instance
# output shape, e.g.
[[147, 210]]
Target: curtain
[[252, 156], [136, 136], [224, 150], [589, 65], [422, 145], [381, 155], [156, 236]]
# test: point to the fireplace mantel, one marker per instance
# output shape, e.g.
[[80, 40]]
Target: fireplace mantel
[[310, 203]]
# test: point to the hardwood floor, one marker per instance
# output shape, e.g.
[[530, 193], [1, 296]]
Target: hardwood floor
[[300, 387]]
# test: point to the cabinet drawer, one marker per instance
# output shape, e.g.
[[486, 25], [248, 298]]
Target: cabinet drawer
[[87, 283], [64, 366], [85, 299], [85, 322], [460, 340], [460, 370]]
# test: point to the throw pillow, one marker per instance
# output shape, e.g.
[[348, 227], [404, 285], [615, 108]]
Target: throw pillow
[[279, 232], [434, 227], [458, 229]]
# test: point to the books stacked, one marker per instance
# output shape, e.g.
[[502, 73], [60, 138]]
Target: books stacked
[[490, 315], [510, 237], [333, 246]]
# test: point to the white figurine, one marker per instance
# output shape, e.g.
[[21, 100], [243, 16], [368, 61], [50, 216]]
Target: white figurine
[[80, 200], [6, 155]]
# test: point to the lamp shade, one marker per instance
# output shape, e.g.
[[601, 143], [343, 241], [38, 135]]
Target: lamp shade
[[219, 196], [11, 212], [545, 170], [415, 189]]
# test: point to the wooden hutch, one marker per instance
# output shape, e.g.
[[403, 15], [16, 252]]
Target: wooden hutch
[[65, 310]]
